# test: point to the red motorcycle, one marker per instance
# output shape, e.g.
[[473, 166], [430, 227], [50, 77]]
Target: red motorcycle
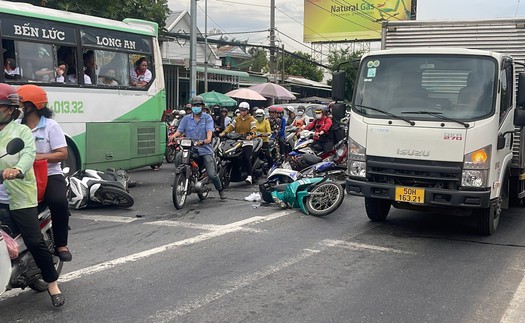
[[172, 146]]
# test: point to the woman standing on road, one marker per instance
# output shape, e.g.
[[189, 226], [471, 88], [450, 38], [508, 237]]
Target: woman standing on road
[[50, 145]]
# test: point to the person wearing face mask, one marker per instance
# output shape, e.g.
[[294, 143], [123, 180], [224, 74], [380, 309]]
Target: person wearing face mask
[[300, 120], [199, 126], [244, 124], [322, 126], [263, 129]]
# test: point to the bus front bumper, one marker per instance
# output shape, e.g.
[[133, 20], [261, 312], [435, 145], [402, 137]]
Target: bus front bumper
[[433, 197]]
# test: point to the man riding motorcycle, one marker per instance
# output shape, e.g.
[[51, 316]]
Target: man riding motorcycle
[[200, 126], [321, 125]]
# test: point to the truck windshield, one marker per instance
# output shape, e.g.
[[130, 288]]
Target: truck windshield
[[454, 86]]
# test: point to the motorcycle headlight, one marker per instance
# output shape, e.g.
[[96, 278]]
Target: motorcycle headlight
[[475, 168], [356, 159]]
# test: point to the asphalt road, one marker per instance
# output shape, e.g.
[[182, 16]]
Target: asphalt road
[[233, 261]]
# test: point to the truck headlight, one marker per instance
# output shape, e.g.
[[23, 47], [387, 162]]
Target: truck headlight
[[475, 168], [356, 159]]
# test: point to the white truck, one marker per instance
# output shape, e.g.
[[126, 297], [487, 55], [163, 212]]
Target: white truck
[[437, 118]]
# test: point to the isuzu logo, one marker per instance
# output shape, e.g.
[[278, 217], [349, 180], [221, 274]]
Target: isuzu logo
[[413, 152]]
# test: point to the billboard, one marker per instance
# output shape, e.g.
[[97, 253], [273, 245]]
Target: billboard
[[348, 20]]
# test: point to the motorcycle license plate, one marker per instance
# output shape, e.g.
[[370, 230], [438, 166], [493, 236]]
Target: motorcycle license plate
[[410, 194]]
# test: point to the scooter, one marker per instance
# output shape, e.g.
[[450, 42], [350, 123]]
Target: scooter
[[171, 146], [189, 177], [230, 152], [92, 188], [316, 195], [17, 266]]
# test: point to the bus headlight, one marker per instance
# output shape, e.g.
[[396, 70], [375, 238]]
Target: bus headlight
[[356, 159], [475, 168]]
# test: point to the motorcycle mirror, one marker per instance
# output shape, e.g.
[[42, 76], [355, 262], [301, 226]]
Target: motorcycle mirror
[[14, 146]]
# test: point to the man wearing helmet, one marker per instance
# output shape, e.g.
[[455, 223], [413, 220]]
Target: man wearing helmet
[[322, 126], [51, 145], [199, 126], [278, 125], [19, 196], [300, 120], [291, 115], [262, 127], [244, 124]]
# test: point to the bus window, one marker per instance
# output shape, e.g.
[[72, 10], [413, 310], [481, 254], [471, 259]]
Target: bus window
[[140, 75], [36, 61], [90, 66], [113, 67]]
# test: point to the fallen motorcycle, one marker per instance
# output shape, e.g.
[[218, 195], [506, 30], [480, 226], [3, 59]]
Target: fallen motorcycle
[[315, 193], [92, 188]]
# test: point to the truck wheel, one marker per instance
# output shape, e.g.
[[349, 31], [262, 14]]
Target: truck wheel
[[377, 209], [487, 219]]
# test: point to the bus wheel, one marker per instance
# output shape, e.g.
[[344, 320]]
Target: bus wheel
[[71, 161]]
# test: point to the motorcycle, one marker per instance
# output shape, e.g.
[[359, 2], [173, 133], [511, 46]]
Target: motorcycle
[[230, 151], [171, 147], [19, 270], [189, 177], [92, 188], [315, 194]]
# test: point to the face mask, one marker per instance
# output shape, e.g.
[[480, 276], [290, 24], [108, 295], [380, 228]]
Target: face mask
[[300, 113], [196, 110], [318, 115], [261, 118]]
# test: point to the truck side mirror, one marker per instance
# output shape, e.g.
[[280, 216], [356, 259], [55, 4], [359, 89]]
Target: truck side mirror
[[520, 97], [338, 111], [338, 86]]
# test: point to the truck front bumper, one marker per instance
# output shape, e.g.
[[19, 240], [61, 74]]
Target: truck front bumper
[[433, 196]]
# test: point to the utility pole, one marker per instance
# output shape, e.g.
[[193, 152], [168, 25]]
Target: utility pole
[[193, 49], [272, 39], [282, 58], [205, 45]]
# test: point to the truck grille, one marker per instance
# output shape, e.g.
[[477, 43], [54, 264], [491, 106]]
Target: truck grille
[[416, 173]]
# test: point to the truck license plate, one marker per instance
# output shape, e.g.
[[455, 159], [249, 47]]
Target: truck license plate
[[410, 194]]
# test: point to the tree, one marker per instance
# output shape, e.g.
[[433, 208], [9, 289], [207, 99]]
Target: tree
[[156, 11], [258, 63], [343, 55], [299, 64]]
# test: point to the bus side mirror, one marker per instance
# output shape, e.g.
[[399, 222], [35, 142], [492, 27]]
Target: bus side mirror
[[338, 86]]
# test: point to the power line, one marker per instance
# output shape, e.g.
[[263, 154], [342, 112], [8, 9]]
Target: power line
[[246, 4], [301, 23]]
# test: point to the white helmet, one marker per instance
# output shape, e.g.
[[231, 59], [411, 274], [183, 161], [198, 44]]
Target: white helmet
[[259, 113], [290, 109], [244, 105], [182, 112], [237, 111]]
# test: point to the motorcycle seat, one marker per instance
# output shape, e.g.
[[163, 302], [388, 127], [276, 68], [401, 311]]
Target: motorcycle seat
[[280, 187]]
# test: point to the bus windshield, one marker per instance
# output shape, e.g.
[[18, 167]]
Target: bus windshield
[[421, 87]]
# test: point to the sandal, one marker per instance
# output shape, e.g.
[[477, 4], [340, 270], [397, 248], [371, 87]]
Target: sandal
[[57, 299]]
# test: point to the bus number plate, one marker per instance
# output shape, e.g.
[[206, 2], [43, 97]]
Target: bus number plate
[[410, 194]]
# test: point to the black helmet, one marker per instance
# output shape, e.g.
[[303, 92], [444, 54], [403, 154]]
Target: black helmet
[[197, 100]]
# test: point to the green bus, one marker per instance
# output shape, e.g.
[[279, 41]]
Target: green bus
[[86, 65]]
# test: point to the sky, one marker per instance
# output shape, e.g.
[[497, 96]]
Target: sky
[[235, 16]]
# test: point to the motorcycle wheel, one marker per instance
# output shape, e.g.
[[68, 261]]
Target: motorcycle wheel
[[324, 198], [40, 285], [225, 175], [170, 154], [204, 194], [114, 196], [178, 193]]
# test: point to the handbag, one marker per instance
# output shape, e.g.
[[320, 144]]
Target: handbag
[[12, 245], [40, 169]]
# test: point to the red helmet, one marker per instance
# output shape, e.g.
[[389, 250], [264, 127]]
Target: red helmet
[[280, 109], [272, 109], [8, 95], [34, 94]]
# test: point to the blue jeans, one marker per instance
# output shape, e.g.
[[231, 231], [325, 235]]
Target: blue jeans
[[211, 169]]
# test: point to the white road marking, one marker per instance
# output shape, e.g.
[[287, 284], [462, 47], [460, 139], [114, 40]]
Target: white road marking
[[362, 246], [225, 229], [106, 218], [516, 308], [198, 226], [168, 314]]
